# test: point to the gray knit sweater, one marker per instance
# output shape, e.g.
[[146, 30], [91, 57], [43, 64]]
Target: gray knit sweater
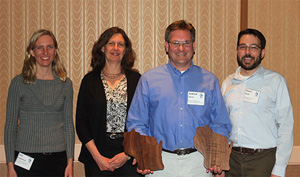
[[39, 117]]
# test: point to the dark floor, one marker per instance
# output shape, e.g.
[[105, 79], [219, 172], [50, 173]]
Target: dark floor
[[291, 171]]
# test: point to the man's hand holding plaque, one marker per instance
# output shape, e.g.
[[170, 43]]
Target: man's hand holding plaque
[[144, 149], [214, 148]]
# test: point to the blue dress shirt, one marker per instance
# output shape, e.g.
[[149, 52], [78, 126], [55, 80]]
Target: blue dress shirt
[[160, 106]]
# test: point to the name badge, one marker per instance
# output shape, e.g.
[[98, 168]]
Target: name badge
[[251, 96], [196, 98], [24, 161]]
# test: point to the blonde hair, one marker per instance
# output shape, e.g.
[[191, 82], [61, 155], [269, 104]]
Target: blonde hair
[[29, 66]]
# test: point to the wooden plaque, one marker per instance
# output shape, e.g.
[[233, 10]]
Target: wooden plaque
[[214, 148], [144, 149]]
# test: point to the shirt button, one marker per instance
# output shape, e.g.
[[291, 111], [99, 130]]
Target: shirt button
[[181, 141], [180, 125], [180, 109], [180, 92]]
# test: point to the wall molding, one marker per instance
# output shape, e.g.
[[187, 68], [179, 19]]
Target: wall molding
[[294, 160], [295, 157], [2, 154]]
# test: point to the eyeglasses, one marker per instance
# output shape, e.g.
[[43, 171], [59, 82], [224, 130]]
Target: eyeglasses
[[177, 44], [252, 47], [119, 44]]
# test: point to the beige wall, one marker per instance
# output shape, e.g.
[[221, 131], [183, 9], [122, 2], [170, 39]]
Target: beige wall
[[78, 23], [279, 21]]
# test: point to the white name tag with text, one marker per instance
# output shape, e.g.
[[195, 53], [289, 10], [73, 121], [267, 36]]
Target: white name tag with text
[[196, 98], [24, 161], [251, 96]]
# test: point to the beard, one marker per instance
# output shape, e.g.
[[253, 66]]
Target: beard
[[256, 63]]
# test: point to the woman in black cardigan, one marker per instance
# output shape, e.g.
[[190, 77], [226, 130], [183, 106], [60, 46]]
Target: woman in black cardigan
[[103, 102]]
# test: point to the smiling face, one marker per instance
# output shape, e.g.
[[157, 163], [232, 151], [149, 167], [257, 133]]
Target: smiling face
[[181, 56], [44, 52], [114, 50], [249, 60]]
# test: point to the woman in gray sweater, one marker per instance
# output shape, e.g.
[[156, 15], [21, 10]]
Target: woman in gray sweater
[[39, 129]]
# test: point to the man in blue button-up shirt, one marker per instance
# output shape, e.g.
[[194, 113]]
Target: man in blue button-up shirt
[[172, 100]]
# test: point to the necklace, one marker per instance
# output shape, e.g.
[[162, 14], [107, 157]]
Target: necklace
[[112, 76]]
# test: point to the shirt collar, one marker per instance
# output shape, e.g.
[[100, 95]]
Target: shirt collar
[[176, 71], [258, 73]]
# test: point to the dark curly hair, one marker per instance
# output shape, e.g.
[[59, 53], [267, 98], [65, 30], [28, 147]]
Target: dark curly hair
[[254, 32], [98, 57]]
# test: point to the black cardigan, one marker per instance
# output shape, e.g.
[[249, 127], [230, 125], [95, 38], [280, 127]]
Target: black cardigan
[[91, 110]]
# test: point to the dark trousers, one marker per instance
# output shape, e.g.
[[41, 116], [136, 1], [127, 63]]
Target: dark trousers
[[251, 165], [50, 165], [112, 148]]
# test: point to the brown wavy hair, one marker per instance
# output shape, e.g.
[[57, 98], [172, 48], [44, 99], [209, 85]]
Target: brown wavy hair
[[98, 57], [29, 66], [180, 25]]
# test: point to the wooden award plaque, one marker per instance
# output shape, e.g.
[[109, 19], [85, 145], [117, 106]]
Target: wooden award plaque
[[144, 149], [214, 148]]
